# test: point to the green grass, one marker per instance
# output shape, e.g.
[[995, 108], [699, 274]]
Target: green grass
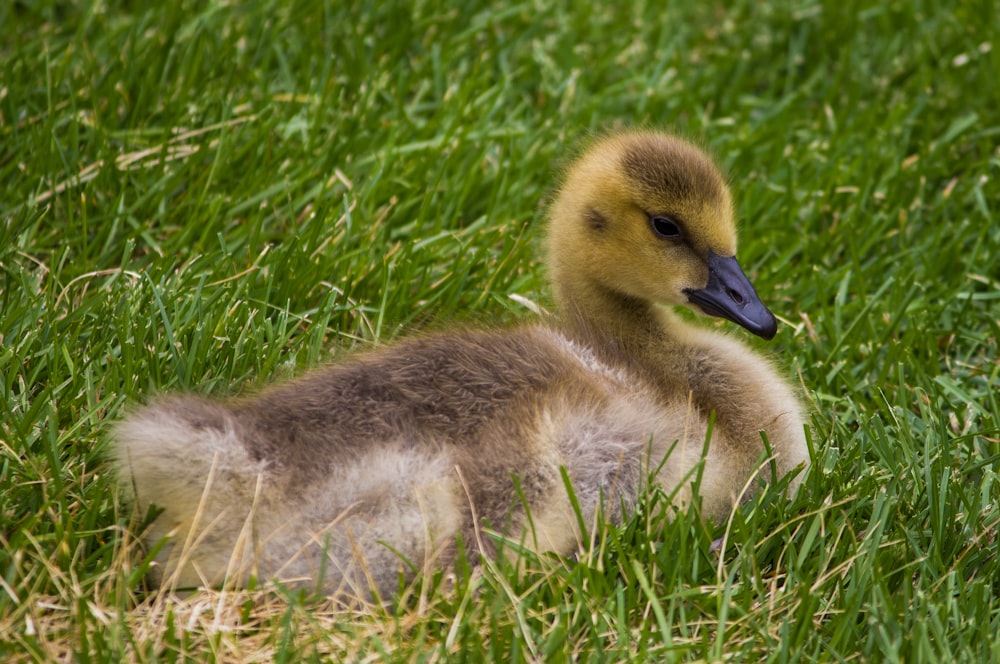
[[212, 195]]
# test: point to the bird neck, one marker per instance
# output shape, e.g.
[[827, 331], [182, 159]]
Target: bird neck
[[623, 329]]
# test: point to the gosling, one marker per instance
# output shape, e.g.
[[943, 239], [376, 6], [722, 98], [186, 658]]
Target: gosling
[[349, 476]]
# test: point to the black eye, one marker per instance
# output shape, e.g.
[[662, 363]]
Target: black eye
[[665, 227]]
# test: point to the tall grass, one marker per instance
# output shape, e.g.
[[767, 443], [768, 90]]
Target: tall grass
[[212, 195]]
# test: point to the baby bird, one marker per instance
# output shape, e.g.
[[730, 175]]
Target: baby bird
[[348, 476]]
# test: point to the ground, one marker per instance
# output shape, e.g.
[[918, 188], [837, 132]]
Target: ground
[[214, 195]]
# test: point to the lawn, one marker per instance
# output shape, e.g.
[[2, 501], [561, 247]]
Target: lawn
[[213, 195]]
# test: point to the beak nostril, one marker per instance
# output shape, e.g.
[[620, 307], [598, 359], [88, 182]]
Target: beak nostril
[[735, 296]]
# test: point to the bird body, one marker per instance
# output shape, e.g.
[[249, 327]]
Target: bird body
[[336, 478]]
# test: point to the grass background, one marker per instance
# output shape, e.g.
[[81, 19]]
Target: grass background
[[210, 195]]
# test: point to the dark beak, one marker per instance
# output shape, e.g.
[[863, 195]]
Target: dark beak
[[730, 295]]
